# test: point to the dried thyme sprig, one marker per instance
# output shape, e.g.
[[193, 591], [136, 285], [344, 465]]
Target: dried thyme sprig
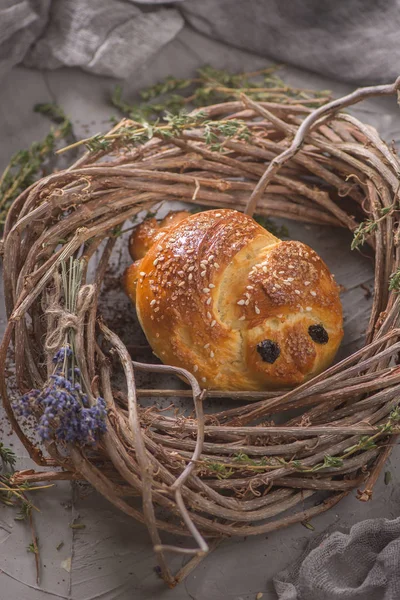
[[213, 132], [211, 86], [26, 165]]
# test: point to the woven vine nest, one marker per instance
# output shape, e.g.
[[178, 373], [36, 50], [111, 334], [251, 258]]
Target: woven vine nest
[[234, 472]]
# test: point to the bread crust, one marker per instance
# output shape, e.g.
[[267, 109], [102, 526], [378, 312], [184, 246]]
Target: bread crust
[[219, 295]]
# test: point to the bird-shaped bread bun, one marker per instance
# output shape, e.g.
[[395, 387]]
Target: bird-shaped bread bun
[[220, 296]]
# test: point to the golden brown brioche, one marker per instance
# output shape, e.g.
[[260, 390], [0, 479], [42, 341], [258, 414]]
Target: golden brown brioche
[[222, 297]]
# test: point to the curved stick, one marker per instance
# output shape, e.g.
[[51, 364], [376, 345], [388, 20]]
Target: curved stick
[[277, 163]]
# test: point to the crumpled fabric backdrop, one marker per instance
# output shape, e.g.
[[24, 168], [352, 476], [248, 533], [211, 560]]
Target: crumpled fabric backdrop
[[350, 40], [361, 565]]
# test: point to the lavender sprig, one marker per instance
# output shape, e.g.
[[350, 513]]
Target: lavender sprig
[[66, 414]]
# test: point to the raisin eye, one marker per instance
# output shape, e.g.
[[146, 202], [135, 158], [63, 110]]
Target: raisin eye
[[268, 350], [319, 334]]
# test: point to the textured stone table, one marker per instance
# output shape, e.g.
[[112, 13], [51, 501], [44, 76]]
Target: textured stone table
[[111, 558]]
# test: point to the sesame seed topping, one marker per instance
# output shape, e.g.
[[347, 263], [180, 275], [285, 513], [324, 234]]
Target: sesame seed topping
[[247, 302], [182, 283], [291, 266], [152, 303], [142, 274], [203, 273], [279, 316], [216, 265], [307, 282], [195, 368], [209, 300], [211, 285], [240, 302], [242, 318], [257, 309], [211, 258], [211, 354], [313, 293], [155, 262], [208, 315], [181, 273], [297, 292], [249, 287], [157, 309], [308, 308], [290, 279], [206, 346], [157, 335], [217, 214], [281, 272], [278, 286], [190, 277], [265, 269], [213, 323], [203, 379], [206, 290], [191, 268]]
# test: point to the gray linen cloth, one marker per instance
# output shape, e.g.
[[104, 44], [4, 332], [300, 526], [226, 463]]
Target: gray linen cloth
[[106, 37], [349, 40], [363, 564]]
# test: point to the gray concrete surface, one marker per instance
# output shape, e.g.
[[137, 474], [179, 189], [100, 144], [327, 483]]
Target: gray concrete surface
[[111, 558]]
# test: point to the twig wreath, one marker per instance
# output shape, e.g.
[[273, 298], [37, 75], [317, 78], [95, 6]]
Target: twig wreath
[[233, 472]]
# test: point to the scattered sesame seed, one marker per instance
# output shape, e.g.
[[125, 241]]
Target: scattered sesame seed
[[249, 287], [291, 266], [155, 262], [211, 285], [217, 214], [203, 273], [307, 282], [195, 368], [247, 302], [206, 346], [265, 269], [281, 272], [211, 354], [157, 335], [190, 277], [142, 274], [152, 303], [213, 323], [157, 309], [313, 293], [182, 283], [211, 258], [280, 316], [240, 302], [191, 268], [257, 309], [208, 315], [297, 292], [278, 286], [209, 300], [290, 279], [286, 283], [216, 265], [203, 379], [242, 318], [181, 273], [206, 290], [308, 308]]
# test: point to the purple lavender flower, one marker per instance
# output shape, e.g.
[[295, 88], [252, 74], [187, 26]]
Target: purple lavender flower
[[65, 409]]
